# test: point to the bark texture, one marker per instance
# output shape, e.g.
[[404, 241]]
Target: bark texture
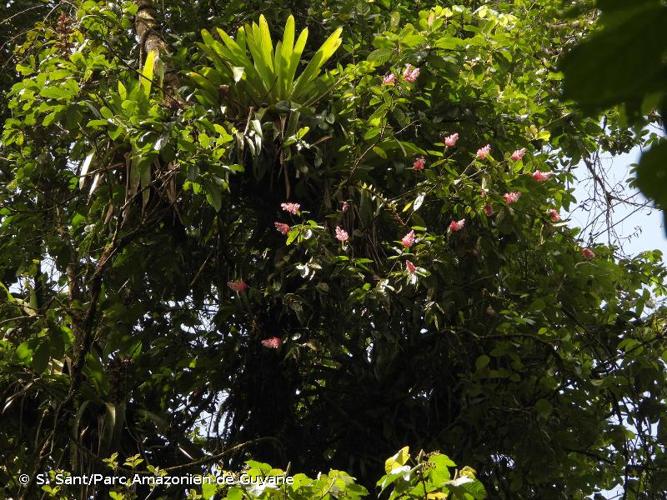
[[147, 29]]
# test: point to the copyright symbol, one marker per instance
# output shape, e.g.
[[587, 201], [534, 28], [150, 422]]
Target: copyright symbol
[[24, 479]]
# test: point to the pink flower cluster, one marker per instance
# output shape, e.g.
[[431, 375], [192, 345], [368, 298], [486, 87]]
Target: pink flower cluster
[[341, 235], [512, 197], [408, 240], [518, 154], [588, 253], [451, 140], [553, 215], [239, 286], [282, 227], [419, 164], [483, 152], [272, 342], [410, 73], [389, 79], [456, 225], [292, 208], [541, 176]]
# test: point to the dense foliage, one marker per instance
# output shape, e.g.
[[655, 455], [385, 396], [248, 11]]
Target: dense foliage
[[427, 476], [228, 238]]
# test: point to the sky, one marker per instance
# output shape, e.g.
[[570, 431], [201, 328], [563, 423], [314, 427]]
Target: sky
[[639, 230]]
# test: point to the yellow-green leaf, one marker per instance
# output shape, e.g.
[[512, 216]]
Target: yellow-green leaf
[[148, 72], [398, 460]]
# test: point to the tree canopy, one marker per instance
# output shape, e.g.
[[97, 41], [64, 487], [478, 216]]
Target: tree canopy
[[312, 234]]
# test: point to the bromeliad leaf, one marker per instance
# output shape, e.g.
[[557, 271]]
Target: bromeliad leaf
[[257, 72], [148, 72]]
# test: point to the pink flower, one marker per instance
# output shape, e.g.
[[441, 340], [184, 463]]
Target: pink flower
[[482, 153], [409, 239], [292, 208], [419, 164], [238, 286], [272, 342], [341, 234], [282, 227], [512, 197], [518, 154], [344, 207], [588, 253], [483, 192], [450, 140], [411, 268], [410, 73], [389, 79], [553, 215], [457, 225], [488, 210], [541, 176]]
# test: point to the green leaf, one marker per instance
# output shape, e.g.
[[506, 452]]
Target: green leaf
[[148, 72], [62, 90], [399, 459], [319, 59], [295, 58], [122, 91], [651, 174], [380, 152], [439, 473], [208, 490], [145, 181], [266, 43], [543, 407], [214, 196], [482, 362], [48, 119], [381, 56], [40, 358], [623, 61], [263, 64], [283, 57], [24, 353], [292, 235], [234, 493], [466, 488]]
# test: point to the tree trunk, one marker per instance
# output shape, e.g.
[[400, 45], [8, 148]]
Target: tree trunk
[[147, 29]]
